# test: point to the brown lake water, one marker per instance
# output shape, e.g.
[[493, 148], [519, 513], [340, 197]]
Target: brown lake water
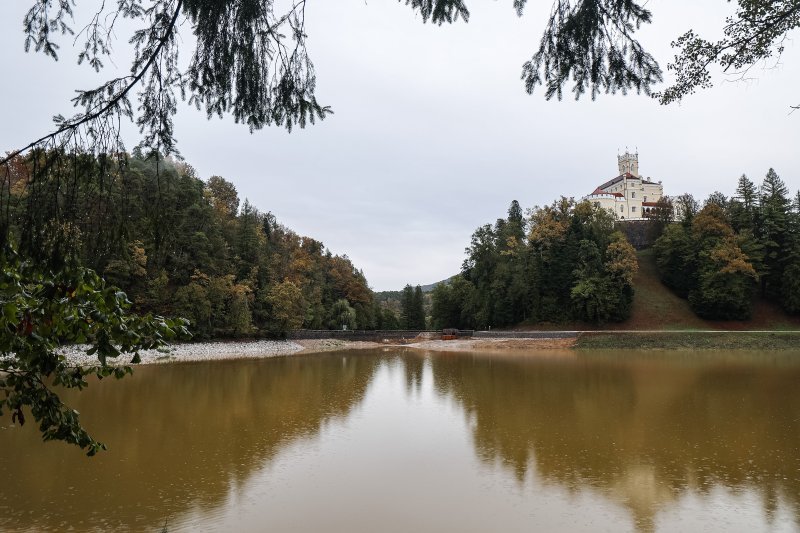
[[410, 441]]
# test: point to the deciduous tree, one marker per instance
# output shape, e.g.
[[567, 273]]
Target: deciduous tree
[[288, 306], [42, 311]]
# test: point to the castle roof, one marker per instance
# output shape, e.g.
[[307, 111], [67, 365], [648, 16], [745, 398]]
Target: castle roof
[[614, 181], [606, 193], [610, 182]]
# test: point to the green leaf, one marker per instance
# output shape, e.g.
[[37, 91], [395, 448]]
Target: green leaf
[[10, 311]]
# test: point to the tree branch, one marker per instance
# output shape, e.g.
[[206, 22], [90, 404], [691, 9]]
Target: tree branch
[[71, 126]]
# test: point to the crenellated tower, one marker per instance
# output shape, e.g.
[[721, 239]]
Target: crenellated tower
[[628, 163]]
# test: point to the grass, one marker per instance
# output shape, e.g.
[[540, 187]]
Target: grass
[[655, 306], [690, 340]]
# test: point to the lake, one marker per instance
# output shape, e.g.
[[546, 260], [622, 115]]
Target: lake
[[404, 440]]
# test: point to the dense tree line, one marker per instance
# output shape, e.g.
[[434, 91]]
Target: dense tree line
[[243, 63], [562, 262], [402, 309], [720, 256], [179, 246], [412, 314]]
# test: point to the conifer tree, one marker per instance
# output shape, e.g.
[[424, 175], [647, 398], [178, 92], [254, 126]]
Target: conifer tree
[[407, 319], [418, 307], [674, 253], [774, 210], [790, 286], [744, 205]]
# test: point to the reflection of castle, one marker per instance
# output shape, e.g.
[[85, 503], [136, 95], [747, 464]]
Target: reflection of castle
[[629, 196], [650, 435]]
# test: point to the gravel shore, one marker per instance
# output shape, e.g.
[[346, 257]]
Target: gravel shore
[[200, 351]]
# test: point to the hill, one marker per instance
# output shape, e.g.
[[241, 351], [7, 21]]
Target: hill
[[655, 307], [430, 287], [181, 246], [391, 299]]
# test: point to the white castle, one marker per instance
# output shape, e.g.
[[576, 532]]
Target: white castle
[[629, 196]]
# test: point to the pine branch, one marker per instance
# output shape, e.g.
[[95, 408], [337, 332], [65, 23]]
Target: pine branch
[[71, 126]]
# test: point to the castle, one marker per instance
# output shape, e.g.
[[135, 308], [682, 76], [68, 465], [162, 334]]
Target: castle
[[629, 196]]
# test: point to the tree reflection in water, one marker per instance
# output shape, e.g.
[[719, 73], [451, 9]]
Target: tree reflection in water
[[243, 445], [644, 432], [180, 437]]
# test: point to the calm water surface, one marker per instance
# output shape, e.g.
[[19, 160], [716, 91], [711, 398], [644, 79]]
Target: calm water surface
[[410, 441]]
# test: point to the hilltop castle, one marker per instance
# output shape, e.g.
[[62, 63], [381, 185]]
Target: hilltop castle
[[629, 196]]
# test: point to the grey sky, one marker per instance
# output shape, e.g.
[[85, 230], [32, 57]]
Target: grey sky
[[433, 134]]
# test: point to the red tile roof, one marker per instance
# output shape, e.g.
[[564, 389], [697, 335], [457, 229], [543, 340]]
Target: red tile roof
[[613, 181], [601, 191]]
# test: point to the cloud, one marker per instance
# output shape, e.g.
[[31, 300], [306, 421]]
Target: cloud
[[433, 134]]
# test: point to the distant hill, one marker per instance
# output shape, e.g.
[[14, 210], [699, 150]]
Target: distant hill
[[391, 299], [429, 288], [425, 288]]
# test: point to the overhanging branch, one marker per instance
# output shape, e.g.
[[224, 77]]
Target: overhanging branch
[[113, 102]]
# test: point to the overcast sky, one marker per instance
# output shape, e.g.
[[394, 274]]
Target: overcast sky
[[433, 134]]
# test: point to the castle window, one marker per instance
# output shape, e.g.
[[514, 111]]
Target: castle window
[[633, 194], [633, 209], [645, 198], [622, 209]]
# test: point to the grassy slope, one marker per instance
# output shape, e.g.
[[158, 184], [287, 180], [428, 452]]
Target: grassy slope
[[656, 308], [672, 340]]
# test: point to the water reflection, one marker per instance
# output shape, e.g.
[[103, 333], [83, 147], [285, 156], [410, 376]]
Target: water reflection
[[180, 437], [408, 441], [644, 432], [413, 368]]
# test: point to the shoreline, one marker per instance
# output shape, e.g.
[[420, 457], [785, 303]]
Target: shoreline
[[572, 341], [263, 349]]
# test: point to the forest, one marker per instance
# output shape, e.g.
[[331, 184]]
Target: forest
[[569, 262], [721, 256], [181, 246], [562, 262]]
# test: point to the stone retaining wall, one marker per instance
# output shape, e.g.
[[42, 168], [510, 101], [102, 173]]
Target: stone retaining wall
[[367, 335], [393, 334], [638, 232], [525, 334]]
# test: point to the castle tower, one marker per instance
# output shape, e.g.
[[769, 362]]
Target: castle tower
[[628, 163]]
